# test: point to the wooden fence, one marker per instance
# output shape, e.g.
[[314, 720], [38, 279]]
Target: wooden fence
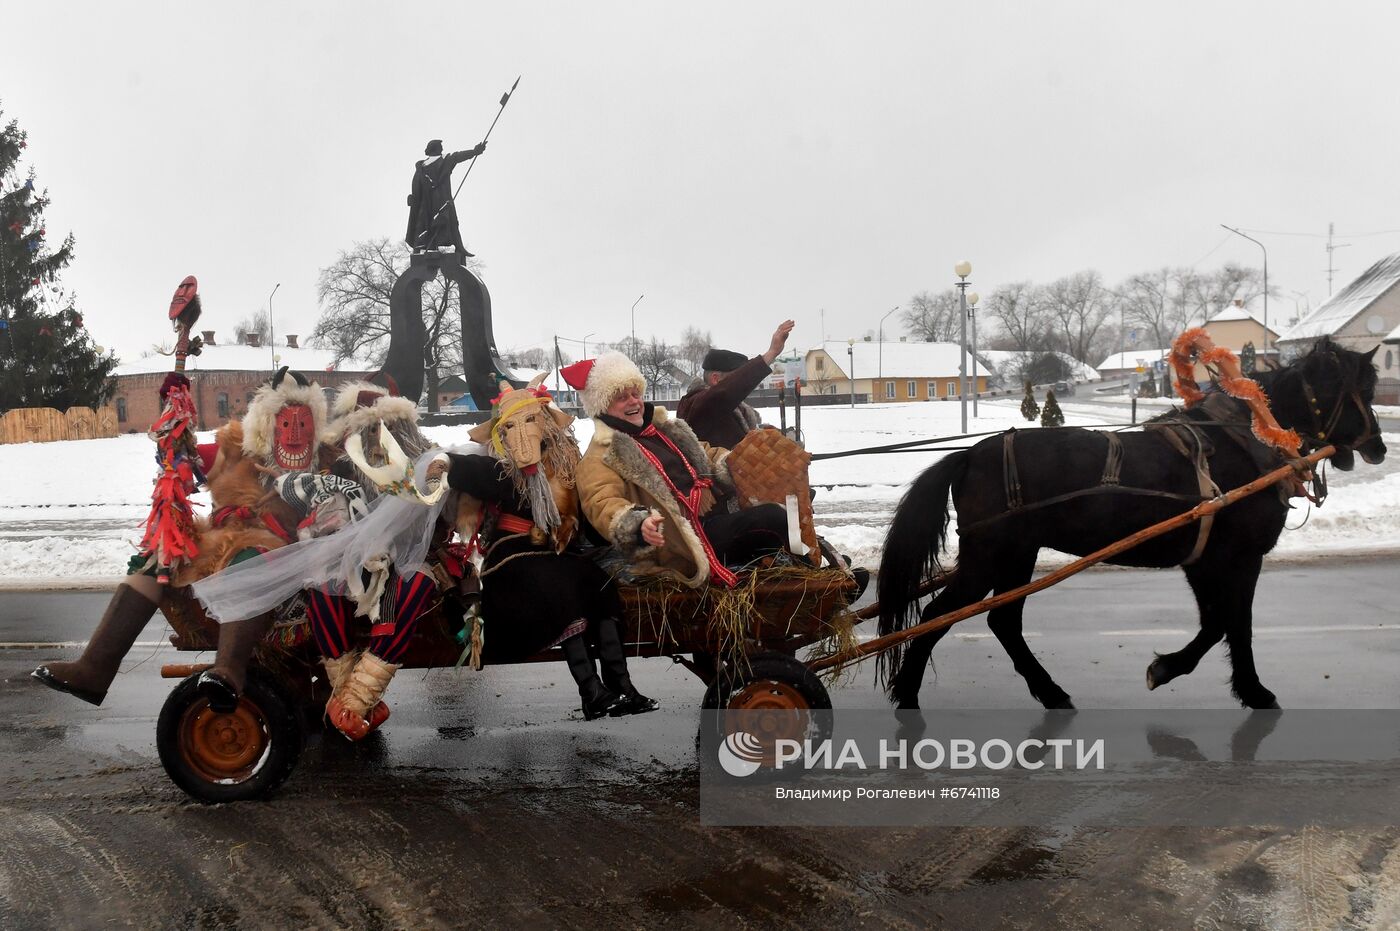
[[45, 425]]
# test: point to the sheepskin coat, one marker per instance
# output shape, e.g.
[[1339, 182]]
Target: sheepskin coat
[[618, 487]]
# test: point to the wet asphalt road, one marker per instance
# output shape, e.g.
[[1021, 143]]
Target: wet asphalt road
[[486, 801]]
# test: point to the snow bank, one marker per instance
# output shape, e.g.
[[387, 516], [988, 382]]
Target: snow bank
[[73, 510]]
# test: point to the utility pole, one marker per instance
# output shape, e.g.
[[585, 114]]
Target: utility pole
[[1331, 248]]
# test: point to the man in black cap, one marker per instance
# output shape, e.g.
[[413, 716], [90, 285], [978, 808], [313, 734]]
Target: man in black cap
[[432, 215], [715, 409]]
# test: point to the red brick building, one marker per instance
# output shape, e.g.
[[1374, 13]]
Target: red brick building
[[223, 379]]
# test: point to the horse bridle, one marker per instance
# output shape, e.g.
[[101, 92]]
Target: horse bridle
[[1322, 430]]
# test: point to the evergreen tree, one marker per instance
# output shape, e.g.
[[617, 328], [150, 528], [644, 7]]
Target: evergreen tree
[[47, 357], [1052, 416], [1029, 409], [1247, 360]]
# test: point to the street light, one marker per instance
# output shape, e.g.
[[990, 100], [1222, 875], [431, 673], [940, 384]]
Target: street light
[[634, 321], [851, 369], [880, 366], [271, 333], [1266, 284], [962, 270], [972, 310]]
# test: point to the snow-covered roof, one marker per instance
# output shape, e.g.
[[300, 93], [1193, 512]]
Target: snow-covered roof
[[242, 358], [1343, 306], [1130, 359], [1234, 312], [1000, 357], [896, 360]]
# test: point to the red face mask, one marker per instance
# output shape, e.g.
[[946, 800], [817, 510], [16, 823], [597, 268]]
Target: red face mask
[[294, 437]]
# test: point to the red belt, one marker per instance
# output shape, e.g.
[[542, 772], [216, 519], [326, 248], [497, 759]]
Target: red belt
[[510, 523]]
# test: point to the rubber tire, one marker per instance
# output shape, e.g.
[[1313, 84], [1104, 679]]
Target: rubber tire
[[279, 715], [779, 667]]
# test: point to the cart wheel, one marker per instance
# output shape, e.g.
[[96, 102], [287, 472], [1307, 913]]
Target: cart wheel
[[776, 694], [233, 757]]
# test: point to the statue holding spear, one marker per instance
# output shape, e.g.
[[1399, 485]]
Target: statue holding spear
[[432, 209]]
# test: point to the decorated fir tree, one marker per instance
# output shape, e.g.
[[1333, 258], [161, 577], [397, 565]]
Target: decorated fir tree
[[47, 357], [1051, 415], [1029, 409]]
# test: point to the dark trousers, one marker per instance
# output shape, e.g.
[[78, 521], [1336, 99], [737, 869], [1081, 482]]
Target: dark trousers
[[742, 537], [330, 618]]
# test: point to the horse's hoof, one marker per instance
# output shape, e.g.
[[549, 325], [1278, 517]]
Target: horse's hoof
[[1063, 704], [906, 704]]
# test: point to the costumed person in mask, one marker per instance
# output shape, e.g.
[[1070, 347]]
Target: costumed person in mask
[[178, 548], [278, 441], [715, 408], [656, 492], [537, 590], [363, 554], [432, 213]]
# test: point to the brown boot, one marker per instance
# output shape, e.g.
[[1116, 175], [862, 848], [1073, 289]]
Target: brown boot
[[350, 709], [91, 675], [223, 682]]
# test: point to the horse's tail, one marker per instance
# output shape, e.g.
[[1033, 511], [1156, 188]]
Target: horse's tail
[[912, 547]]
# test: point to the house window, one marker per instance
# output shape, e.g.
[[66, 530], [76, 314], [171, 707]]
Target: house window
[[911, 390], [821, 364], [889, 391], [952, 389], [223, 405], [933, 389], [121, 410], [1387, 358]]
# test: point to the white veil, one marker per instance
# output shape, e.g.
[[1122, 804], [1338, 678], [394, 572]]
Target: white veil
[[395, 529]]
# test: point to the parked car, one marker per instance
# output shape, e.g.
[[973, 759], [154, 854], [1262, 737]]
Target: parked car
[[1064, 389]]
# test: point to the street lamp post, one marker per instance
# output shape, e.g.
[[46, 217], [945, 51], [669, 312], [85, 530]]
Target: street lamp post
[[634, 322], [972, 311], [1266, 284], [851, 369], [880, 365], [271, 333], [962, 270]]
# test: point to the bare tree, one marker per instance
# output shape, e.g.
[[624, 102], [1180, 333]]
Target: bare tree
[[1208, 293], [1078, 304], [1158, 302], [652, 359], [535, 357], [257, 324], [694, 345], [934, 318], [354, 293], [1019, 310]]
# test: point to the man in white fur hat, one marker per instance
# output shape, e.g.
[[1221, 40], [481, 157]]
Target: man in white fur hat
[[655, 491]]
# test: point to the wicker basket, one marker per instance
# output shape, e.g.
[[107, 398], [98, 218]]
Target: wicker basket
[[767, 467]]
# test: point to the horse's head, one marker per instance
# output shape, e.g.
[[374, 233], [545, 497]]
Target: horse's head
[[526, 427], [1337, 386]]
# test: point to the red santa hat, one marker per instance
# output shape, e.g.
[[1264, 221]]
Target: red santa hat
[[600, 380]]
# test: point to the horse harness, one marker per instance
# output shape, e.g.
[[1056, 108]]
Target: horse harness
[[1182, 433]]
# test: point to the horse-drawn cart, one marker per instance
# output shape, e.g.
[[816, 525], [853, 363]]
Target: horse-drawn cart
[[740, 642]]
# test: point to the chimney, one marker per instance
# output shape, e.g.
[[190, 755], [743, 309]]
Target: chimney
[[208, 337], [291, 341], [254, 340]]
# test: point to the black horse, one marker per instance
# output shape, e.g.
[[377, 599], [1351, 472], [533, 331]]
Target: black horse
[[1326, 396]]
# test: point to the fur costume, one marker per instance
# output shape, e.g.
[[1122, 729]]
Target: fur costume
[[618, 487], [240, 519], [359, 404]]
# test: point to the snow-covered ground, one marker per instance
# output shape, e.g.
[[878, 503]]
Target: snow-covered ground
[[70, 513]]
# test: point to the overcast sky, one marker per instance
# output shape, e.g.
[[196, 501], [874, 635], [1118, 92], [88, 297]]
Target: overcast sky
[[736, 163]]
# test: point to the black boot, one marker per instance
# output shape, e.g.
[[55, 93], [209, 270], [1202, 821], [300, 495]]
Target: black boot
[[223, 682], [613, 656], [597, 700], [92, 673]]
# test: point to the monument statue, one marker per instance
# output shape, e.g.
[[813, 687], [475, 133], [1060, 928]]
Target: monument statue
[[432, 212]]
